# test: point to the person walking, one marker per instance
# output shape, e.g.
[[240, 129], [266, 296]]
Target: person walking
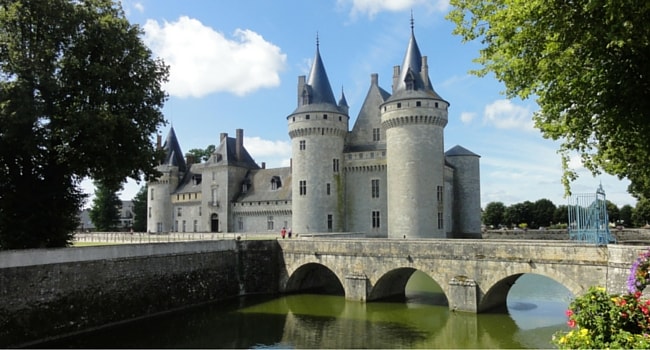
[[289, 232], [283, 232]]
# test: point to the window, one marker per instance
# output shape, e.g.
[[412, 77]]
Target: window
[[418, 103], [159, 227], [276, 182], [325, 116], [436, 104], [307, 117], [196, 224], [269, 222], [335, 165], [176, 226], [440, 223], [375, 219], [214, 196], [399, 105], [240, 223], [149, 211], [330, 219], [374, 184], [151, 194], [183, 225], [327, 189], [303, 187], [200, 211], [179, 211], [302, 145], [376, 134], [439, 195]]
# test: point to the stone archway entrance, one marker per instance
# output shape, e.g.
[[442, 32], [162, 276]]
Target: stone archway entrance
[[214, 223]]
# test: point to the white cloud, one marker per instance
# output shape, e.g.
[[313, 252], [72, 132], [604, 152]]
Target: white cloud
[[204, 61], [504, 114], [372, 7], [467, 117], [138, 6], [273, 153]]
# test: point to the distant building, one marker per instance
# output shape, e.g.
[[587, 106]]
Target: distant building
[[125, 221], [387, 177]]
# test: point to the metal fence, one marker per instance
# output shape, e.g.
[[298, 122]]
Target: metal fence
[[140, 237], [588, 220]]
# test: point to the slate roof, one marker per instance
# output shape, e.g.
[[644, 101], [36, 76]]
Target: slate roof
[[460, 151], [260, 189], [173, 154]]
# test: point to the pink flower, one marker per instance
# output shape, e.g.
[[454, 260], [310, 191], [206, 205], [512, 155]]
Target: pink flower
[[624, 314], [571, 323], [644, 310], [569, 313], [637, 294]]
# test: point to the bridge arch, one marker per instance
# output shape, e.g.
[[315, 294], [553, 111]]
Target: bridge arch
[[314, 278], [392, 285], [495, 298]]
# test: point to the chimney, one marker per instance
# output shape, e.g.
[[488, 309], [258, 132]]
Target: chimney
[[425, 71], [158, 141], [374, 79], [301, 85], [223, 136], [189, 159], [239, 143], [396, 72], [263, 165]]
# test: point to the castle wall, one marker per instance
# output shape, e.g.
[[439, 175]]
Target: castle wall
[[361, 168]]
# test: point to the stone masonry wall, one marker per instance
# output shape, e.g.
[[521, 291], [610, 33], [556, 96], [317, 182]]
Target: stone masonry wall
[[47, 293]]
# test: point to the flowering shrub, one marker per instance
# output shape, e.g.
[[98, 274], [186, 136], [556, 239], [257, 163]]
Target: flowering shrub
[[601, 320]]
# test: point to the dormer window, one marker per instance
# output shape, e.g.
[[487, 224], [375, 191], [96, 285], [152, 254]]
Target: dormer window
[[306, 96], [276, 183], [409, 80], [244, 187]]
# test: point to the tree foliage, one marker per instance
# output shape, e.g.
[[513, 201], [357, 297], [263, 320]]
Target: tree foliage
[[105, 211], [542, 213], [625, 215], [493, 214], [80, 96], [641, 213], [140, 210], [202, 154], [587, 62]]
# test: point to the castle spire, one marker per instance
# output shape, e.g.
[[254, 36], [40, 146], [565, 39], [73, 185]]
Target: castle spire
[[321, 90]]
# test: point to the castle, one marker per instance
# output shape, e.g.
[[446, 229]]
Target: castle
[[387, 177]]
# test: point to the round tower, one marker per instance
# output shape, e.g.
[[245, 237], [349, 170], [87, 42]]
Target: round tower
[[467, 192], [414, 118], [159, 207], [317, 129]]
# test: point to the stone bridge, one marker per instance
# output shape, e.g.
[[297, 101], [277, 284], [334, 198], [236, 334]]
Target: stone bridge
[[475, 275]]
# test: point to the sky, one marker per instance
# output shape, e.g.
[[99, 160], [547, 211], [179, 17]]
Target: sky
[[235, 65]]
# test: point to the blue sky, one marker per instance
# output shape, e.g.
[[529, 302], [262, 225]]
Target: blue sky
[[235, 64]]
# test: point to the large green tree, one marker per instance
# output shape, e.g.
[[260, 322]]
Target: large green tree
[[105, 212], [588, 64], [202, 154], [542, 213], [140, 210], [625, 215], [80, 96], [493, 214]]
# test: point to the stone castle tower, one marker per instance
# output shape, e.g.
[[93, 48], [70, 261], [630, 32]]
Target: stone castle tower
[[387, 177], [317, 128], [414, 118]]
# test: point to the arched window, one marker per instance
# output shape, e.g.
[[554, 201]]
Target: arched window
[[276, 183]]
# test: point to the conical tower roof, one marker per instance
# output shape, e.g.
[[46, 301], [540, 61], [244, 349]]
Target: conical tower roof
[[173, 153], [413, 78], [321, 89]]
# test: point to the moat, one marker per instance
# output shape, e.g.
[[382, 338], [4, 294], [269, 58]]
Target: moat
[[536, 308]]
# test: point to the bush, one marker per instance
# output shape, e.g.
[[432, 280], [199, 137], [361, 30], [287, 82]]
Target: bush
[[602, 320]]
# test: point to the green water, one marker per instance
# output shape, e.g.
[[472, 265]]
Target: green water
[[535, 311]]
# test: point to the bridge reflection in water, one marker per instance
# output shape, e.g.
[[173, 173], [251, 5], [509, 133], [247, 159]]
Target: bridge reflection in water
[[536, 310]]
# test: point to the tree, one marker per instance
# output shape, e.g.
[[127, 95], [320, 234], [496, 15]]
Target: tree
[[140, 210], [105, 212], [80, 96], [202, 154], [641, 213], [542, 213], [493, 214], [625, 215], [587, 64], [613, 213], [561, 214], [519, 213]]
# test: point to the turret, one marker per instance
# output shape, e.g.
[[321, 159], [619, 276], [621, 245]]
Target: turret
[[173, 168], [414, 117], [467, 193], [317, 128]]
